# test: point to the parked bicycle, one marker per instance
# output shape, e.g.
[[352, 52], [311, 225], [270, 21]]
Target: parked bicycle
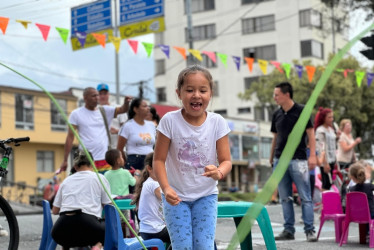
[[9, 237]]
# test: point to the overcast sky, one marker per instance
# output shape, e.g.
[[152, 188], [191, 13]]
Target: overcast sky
[[53, 64]]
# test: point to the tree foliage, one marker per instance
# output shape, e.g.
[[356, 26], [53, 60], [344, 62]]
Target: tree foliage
[[341, 94], [366, 5]]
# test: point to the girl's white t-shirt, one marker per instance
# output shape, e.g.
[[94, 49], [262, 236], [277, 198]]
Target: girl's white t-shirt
[[140, 138], [83, 190], [191, 149], [150, 208]]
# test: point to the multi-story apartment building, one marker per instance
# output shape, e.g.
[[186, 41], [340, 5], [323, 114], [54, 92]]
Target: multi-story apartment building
[[31, 113], [272, 30]]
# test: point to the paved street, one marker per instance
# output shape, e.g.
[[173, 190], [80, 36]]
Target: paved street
[[31, 229]]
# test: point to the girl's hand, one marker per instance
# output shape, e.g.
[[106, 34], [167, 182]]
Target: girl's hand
[[171, 196], [212, 172]]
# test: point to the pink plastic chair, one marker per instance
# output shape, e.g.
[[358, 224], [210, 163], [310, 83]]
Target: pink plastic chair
[[357, 210], [332, 210]]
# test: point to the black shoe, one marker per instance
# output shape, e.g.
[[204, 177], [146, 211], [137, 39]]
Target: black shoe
[[310, 236], [285, 235]]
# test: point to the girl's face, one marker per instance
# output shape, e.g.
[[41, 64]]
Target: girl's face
[[195, 94], [329, 119]]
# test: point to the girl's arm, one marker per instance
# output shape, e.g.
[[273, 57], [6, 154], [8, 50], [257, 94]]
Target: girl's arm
[[159, 158], [158, 193], [224, 160]]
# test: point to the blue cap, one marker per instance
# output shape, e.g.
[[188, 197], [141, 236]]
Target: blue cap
[[102, 86]]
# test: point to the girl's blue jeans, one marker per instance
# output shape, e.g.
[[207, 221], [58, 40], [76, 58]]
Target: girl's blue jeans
[[192, 224]]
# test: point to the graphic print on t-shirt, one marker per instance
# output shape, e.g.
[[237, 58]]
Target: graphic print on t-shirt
[[146, 137], [191, 158]]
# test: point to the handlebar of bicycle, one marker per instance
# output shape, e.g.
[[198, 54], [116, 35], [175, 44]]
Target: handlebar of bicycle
[[15, 140]]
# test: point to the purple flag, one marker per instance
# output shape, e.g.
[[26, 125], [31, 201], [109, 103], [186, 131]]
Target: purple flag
[[299, 70], [81, 37], [165, 49], [236, 61], [370, 77]]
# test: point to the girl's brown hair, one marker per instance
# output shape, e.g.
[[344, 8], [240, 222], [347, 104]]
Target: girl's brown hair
[[357, 170], [148, 161], [193, 70]]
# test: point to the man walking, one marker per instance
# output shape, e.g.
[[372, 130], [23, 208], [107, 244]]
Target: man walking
[[89, 123], [283, 122]]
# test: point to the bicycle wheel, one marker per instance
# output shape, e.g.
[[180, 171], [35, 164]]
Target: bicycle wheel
[[8, 221]]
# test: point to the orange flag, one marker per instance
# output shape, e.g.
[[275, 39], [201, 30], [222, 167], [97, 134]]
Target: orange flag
[[249, 61], [134, 45], [100, 38], [44, 29], [4, 23], [310, 70], [24, 23], [182, 51]]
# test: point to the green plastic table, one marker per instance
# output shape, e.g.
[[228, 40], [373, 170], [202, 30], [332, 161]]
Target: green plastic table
[[124, 204], [237, 210]]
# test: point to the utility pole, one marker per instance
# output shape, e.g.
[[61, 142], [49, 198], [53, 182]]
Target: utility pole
[[141, 89], [116, 62], [189, 24], [333, 26]]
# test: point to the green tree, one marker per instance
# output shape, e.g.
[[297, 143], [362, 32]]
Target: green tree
[[341, 94]]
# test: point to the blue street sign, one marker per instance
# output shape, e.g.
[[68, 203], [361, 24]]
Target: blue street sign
[[91, 17], [139, 10]]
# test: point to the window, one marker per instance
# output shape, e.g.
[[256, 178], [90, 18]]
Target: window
[[267, 52], [258, 24], [215, 89], [10, 176], [161, 94], [201, 5], [57, 122], [249, 80], [234, 146], [159, 38], [45, 161], [310, 18], [202, 32], [222, 112], [250, 148], [160, 67], [311, 48], [246, 110], [265, 147], [24, 112], [260, 113], [254, 1]]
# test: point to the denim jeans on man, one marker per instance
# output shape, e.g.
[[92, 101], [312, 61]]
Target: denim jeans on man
[[297, 172]]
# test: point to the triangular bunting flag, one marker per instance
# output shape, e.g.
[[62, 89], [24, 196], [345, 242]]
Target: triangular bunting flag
[[340, 70], [100, 38], [134, 45], [196, 54], [287, 69], [277, 65], [211, 55], [346, 72], [4, 23], [116, 42], [370, 77], [263, 65], [165, 49], [223, 58], [81, 37], [236, 61], [63, 33], [182, 51], [44, 29], [148, 48], [299, 70], [24, 23], [310, 70], [359, 76], [249, 61]]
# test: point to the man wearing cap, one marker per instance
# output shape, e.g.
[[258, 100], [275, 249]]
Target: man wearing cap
[[89, 123]]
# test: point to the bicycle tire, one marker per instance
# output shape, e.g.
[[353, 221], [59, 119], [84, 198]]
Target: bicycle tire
[[9, 222]]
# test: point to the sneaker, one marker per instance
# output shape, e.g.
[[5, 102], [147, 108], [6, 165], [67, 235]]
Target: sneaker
[[285, 235], [3, 232], [310, 236]]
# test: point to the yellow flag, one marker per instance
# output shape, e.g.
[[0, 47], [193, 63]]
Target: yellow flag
[[196, 53], [24, 23], [263, 65], [116, 42]]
